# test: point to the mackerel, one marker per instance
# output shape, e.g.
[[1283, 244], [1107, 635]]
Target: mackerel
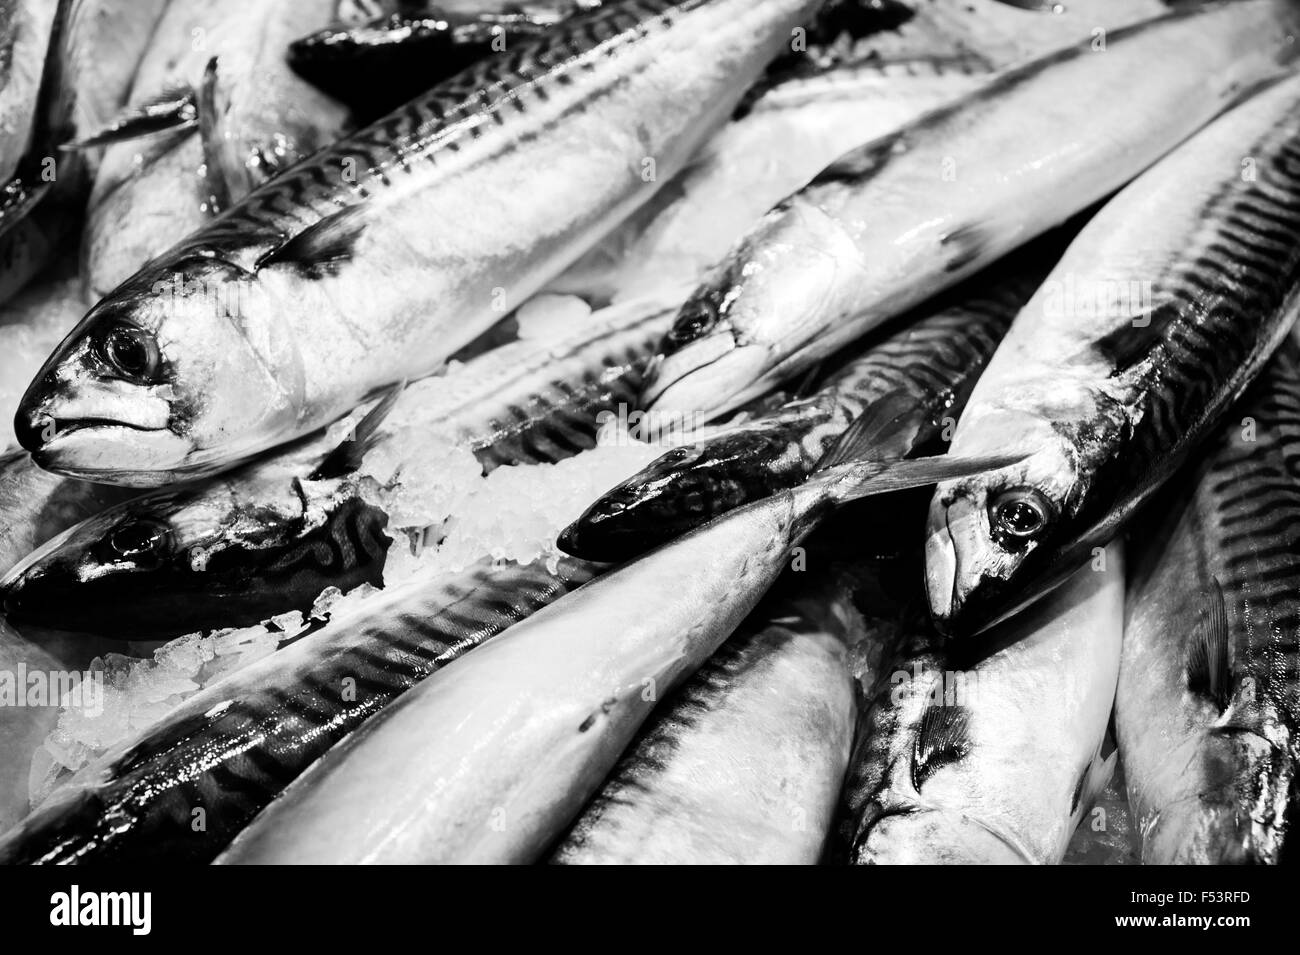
[[379, 256], [926, 369], [227, 751], [892, 222], [270, 537], [743, 764], [990, 754], [1208, 710], [788, 134], [259, 119], [1158, 317], [534, 722]]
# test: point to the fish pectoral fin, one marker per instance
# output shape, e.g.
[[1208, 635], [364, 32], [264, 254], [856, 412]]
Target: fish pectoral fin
[[943, 737], [1209, 666], [885, 430], [1095, 778], [171, 111], [319, 247], [965, 246], [347, 457]]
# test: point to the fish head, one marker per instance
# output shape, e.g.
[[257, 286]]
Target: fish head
[[765, 315], [161, 379], [176, 562], [674, 494], [990, 537]]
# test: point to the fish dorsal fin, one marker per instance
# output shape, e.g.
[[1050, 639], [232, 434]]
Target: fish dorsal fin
[[347, 457], [321, 246], [885, 429], [942, 738], [170, 111], [1209, 668]]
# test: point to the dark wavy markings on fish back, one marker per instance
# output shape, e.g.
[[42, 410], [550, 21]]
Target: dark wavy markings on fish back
[[934, 361], [222, 767], [481, 98], [1215, 312], [635, 777], [1249, 505], [562, 418]]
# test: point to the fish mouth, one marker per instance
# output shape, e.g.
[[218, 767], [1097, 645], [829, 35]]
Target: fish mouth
[[705, 378], [77, 447]]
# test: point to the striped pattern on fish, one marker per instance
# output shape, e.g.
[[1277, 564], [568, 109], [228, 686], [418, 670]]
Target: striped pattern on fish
[[228, 750], [1208, 711], [1158, 317], [930, 365], [373, 260]]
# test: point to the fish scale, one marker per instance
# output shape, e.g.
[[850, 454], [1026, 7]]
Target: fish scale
[[230, 748], [1207, 720]]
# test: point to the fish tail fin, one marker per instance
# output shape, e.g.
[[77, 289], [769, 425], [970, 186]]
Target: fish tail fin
[[854, 467]]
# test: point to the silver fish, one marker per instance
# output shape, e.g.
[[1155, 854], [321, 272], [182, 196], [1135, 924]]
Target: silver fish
[[743, 764], [379, 256], [1158, 317], [259, 119], [889, 224], [1208, 709], [270, 537], [542, 715], [229, 749], [992, 756]]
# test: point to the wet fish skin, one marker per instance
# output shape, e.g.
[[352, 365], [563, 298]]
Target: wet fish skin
[[230, 748], [743, 764], [25, 30], [542, 715], [270, 537], [791, 129], [955, 190], [1208, 708], [1197, 270], [36, 506], [331, 283], [151, 193], [933, 360], [990, 756]]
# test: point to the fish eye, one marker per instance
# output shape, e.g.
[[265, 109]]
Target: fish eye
[[131, 351], [1019, 516], [138, 540]]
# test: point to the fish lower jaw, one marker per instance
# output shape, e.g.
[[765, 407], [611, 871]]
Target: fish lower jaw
[[696, 393]]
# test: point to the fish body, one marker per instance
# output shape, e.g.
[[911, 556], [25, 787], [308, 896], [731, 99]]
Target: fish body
[[1159, 315], [991, 757], [890, 223], [270, 537], [150, 193], [931, 364], [36, 506], [787, 135], [230, 748], [744, 763], [379, 256], [26, 27], [1207, 715], [537, 720]]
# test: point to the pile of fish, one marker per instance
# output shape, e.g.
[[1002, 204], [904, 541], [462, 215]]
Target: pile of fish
[[650, 431]]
